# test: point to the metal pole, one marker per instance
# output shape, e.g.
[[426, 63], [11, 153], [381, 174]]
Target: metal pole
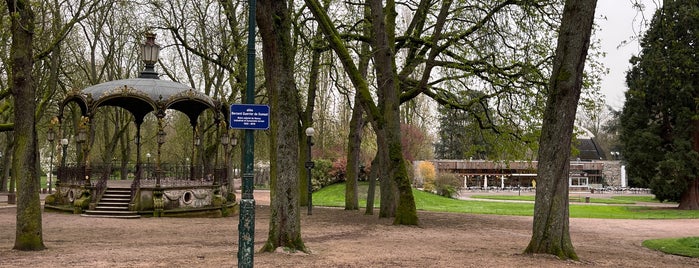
[[309, 166], [51, 168], [246, 224]]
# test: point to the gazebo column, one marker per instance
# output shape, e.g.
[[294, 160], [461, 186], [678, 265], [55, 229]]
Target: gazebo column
[[161, 141], [136, 184], [158, 202], [139, 167], [83, 138], [194, 147]]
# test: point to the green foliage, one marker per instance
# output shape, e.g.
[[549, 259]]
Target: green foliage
[[50, 199], [322, 174], [447, 184], [658, 120], [687, 246]]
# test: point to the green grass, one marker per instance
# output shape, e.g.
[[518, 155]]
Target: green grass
[[687, 246], [639, 198], [333, 196], [580, 199]]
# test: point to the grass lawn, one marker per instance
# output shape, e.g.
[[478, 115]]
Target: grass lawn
[[571, 198], [333, 196], [687, 246]]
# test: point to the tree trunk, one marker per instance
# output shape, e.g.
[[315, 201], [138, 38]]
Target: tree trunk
[[274, 22], [551, 224], [387, 127], [354, 145], [388, 189], [690, 197], [25, 153], [353, 162], [384, 117], [307, 121], [371, 177]]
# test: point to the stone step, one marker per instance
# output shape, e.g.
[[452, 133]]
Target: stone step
[[95, 211], [116, 195], [113, 204], [118, 198], [134, 216], [112, 208], [126, 191]]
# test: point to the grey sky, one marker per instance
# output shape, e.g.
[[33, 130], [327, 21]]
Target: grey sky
[[622, 22]]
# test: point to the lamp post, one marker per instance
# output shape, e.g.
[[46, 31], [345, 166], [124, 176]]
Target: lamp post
[[64, 144], [148, 155], [231, 173], [149, 55], [309, 165], [51, 136], [246, 224], [224, 142], [615, 155]]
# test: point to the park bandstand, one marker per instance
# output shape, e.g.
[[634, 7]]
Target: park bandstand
[[188, 187]]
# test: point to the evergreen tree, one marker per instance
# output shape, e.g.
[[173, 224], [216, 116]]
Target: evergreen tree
[[660, 120], [452, 124]]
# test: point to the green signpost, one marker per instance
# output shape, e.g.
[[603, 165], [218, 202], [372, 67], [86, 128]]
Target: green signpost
[[246, 224]]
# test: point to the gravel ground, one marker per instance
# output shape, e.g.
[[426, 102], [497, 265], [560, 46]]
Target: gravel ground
[[337, 238]]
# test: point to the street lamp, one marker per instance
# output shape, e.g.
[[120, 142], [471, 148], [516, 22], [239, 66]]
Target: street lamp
[[64, 145], [149, 55], [309, 165], [51, 136], [224, 142], [615, 155], [148, 159]]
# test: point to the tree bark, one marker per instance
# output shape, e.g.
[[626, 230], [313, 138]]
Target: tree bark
[[274, 23], [25, 154], [387, 126], [384, 117], [551, 234], [690, 197], [353, 162]]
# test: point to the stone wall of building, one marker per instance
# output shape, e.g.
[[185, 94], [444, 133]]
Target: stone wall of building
[[612, 173]]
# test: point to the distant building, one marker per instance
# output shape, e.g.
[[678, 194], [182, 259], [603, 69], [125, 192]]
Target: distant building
[[588, 169]]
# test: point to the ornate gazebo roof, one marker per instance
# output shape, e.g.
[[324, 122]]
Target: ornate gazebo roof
[[141, 96]]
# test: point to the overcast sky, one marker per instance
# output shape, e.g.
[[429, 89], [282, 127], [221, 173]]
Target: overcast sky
[[619, 21]]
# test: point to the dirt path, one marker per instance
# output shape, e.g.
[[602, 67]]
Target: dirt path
[[337, 238]]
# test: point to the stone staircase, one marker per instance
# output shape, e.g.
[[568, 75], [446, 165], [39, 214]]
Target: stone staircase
[[113, 204]]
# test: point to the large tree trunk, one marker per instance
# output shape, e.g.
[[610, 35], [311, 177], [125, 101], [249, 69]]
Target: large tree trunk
[[274, 22], [25, 153], [384, 117], [353, 161], [354, 145], [388, 125], [551, 225], [690, 197]]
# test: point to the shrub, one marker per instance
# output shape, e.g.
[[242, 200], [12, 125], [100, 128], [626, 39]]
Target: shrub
[[427, 173], [321, 174], [447, 184]]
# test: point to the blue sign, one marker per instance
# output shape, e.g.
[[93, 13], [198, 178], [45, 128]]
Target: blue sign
[[249, 116]]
